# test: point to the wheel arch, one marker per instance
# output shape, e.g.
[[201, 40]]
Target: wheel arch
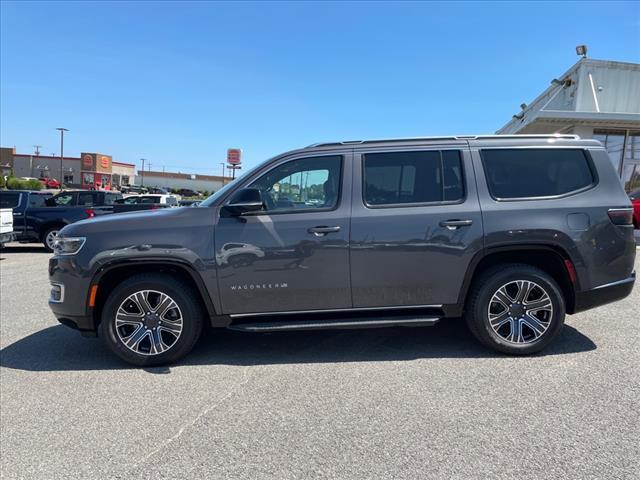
[[110, 275], [550, 259]]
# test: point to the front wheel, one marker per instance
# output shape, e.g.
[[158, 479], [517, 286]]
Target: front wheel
[[151, 319], [515, 309]]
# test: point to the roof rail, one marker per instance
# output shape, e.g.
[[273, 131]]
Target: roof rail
[[450, 137]]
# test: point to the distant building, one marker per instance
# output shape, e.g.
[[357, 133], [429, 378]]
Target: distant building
[[594, 99], [90, 170], [210, 183]]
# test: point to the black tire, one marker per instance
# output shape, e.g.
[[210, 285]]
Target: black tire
[[187, 303], [46, 234], [479, 302]]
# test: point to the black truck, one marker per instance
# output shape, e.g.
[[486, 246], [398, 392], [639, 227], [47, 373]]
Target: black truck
[[39, 216]]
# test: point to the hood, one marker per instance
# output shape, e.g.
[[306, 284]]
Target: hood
[[143, 224]]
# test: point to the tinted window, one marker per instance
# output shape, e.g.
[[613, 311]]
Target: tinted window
[[9, 200], [412, 177], [522, 173], [38, 200], [304, 184], [85, 199]]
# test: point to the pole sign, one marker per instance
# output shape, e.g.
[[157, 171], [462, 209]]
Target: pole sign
[[233, 156]]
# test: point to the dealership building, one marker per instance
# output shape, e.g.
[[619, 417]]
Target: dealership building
[[89, 171], [593, 99], [198, 183]]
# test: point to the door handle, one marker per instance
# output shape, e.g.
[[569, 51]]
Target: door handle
[[455, 224], [17, 214], [322, 230]]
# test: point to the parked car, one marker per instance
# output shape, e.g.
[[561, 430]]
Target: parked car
[[189, 203], [158, 190], [144, 202], [186, 192], [635, 201], [49, 182], [6, 225], [509, 232], [39, 216], [133, 189]]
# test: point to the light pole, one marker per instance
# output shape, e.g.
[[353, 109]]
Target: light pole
[[223, 164], [61, 130], [142, 176]]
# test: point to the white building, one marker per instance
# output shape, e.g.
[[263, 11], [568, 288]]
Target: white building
[[200, 183], [594, 99]]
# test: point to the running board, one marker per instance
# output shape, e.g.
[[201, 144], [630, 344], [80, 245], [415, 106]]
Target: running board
[[329, 324]]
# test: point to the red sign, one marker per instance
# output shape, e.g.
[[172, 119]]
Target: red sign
[[87, 160], [233, 156], [104, 161]]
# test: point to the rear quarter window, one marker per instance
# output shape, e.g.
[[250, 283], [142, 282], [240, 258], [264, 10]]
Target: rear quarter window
[[531, 173]]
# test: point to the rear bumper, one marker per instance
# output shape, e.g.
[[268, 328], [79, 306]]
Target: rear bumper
[[604, 294]]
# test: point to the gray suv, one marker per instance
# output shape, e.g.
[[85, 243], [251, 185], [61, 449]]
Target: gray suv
[[509, 232]]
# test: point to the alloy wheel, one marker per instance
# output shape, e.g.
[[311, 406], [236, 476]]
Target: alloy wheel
[[50, 239], [148, 322], [520, 311]]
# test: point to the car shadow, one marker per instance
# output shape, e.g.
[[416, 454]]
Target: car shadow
[[58, 348]]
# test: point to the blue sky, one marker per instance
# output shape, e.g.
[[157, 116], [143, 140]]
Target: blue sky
[[179, 83]]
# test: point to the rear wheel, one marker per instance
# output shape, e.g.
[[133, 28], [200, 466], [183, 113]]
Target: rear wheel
[[151, 320], [515, 309]]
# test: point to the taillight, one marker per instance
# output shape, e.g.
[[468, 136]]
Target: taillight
[[90, 213], [154, 206], [621, 216]]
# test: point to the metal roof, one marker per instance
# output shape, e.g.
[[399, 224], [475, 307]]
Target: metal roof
[[591, 90]]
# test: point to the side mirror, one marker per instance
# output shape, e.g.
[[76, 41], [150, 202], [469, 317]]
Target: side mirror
[[244, 201]]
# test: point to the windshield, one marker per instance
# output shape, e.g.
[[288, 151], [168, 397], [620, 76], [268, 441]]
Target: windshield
[[223, 191]]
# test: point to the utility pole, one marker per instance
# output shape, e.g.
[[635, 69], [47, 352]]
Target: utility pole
[[223, 164], [37, 149], [61, 130], [142, 175]]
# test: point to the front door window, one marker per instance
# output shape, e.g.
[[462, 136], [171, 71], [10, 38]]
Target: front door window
[[303, 184]]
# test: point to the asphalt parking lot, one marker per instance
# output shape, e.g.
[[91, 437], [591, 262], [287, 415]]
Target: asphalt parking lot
[[388, 403]]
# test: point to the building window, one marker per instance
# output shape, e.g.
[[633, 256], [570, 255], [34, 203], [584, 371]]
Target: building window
[[613, 141], [68, 178], [124, 180], [631, 167]]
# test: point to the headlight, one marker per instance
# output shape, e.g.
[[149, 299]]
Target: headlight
[[68, 245]]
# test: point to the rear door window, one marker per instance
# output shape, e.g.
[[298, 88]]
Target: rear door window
[[38, 200], [396, 178], [86, 199], [530, 173], [9, 199]]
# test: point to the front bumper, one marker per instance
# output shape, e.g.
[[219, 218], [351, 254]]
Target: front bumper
[[72, 310], [604, 294]]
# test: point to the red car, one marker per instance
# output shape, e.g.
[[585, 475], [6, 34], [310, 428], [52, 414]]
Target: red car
[[50, 182], [635, 200]]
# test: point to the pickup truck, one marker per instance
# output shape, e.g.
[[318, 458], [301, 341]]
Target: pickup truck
[[39, 216], [144, 202], [6, 226]]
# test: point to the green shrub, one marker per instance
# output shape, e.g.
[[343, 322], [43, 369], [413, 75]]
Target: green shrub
[[14, 183]]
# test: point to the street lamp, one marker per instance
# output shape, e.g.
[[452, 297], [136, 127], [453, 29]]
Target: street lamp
[[142, 176], [61, 130]]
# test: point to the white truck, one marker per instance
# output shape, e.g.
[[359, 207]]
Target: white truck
[[6, 226]]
